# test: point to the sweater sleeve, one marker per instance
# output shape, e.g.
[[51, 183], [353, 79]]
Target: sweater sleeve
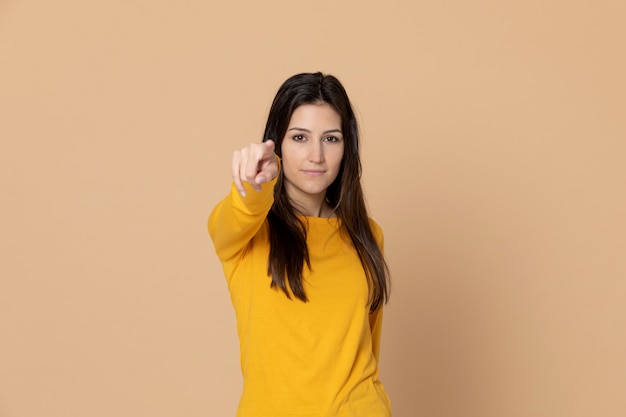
[[236, 219]]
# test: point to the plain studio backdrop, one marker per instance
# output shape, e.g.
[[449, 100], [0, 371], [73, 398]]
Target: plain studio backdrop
[[494, 159]]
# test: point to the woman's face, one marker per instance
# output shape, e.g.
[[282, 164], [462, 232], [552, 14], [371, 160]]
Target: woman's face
[[312, 150]]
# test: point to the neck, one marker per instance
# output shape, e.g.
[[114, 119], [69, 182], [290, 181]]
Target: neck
[[314, 208]]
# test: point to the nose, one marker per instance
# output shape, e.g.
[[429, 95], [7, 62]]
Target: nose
[[316, 151]]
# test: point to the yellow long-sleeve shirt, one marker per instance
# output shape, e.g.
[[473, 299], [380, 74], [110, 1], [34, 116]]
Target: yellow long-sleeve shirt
[[313, 359]]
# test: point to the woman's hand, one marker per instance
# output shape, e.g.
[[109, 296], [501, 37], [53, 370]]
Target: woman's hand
[[255, 164]]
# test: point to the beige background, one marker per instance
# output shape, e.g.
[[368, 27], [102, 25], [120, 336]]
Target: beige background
[[494, 146]]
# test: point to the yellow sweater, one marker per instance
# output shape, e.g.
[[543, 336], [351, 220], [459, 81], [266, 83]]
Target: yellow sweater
[[313, 359]]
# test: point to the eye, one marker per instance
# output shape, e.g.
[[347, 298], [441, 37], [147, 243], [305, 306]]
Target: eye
[[299, 138], [332, 139]]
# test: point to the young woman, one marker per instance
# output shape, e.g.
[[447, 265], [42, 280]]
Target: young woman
[[304, 262]]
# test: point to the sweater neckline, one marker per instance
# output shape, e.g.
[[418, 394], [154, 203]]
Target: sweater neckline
[[320, 220]]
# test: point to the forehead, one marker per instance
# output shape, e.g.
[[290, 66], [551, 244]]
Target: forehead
[[313, 115]]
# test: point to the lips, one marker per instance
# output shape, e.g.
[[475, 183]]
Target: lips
[[313, 172]]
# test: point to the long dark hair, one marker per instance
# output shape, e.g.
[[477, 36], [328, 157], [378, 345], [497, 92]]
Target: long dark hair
[[286, 261]]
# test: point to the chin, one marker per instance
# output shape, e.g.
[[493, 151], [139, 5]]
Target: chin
[[315, 190]]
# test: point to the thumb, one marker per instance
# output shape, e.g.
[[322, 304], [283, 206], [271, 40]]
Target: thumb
[[268, 165]]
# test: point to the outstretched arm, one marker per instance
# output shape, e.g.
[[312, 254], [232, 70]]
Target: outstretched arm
[[237, 218]]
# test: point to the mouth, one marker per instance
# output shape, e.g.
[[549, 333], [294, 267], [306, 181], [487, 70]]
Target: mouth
[[313, 172]]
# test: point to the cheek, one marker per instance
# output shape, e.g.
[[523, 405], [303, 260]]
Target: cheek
[[289, 160], [337, 159], [288, 151]]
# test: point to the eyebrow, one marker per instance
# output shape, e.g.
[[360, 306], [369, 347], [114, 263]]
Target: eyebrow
[[308, 131]]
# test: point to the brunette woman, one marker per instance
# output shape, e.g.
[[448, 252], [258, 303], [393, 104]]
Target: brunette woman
[[304, 262]]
